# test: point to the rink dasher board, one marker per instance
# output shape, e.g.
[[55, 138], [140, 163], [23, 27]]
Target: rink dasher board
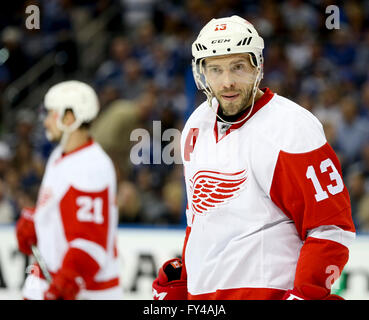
[[142, 250]]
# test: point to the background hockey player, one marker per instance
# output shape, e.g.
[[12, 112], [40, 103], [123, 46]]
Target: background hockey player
[[75, 220], [268, 213]]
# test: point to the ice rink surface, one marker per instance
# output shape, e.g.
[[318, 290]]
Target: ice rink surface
[[7, 294]]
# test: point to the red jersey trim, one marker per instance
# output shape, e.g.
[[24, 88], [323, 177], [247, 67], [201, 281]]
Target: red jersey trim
[[184, 270], [241, 294], [91, 285], [87, 144], [261, 102]]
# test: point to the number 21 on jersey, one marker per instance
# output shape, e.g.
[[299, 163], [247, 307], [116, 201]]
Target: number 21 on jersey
[[335, 187], [80, 206], [90, 209]]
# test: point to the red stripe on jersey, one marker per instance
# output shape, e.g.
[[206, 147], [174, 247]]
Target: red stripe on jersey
[[77, 261], [85, 215], [85, 145], [309, 189], [241, 294], [184, 271]]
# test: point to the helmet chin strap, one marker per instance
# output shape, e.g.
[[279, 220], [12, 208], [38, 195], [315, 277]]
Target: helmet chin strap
[[66, 131]]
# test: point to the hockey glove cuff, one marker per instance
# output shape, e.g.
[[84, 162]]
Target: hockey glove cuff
[[65, 286], [25, 231], [310, 293], [169, 285]]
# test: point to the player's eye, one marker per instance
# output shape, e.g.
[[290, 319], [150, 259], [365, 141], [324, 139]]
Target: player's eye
[[239, 67], [215, 70]]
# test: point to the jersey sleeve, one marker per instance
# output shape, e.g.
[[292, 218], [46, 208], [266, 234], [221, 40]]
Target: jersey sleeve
[[85, 219], [308, 188]]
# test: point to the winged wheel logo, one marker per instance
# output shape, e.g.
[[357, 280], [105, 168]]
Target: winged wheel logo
[[211, 189]]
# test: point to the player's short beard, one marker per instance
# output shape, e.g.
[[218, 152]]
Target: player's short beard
[[241, 106]]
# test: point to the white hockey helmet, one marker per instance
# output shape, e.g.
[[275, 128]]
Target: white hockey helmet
[[226, 36], [76, 96]]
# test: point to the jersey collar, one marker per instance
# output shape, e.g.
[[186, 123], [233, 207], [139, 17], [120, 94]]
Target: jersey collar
[[85, 145], [261, 102]]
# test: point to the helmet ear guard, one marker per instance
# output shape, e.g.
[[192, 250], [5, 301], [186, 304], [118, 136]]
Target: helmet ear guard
[[198, 75]]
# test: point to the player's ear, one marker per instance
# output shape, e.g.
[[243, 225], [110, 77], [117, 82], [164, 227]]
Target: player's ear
[[69, 117]]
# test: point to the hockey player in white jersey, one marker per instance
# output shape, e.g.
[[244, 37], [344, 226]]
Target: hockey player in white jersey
[[74, 224], [268, 213]]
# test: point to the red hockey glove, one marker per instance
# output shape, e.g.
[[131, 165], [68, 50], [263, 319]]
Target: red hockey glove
[[25, 231], [78, 269], [169, 285], [310, 293], [65, 286]]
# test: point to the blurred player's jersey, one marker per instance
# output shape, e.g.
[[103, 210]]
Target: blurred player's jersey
[[256, 191], [76, 208]]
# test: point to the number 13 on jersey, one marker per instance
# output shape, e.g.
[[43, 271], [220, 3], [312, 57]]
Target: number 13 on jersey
[[333, 188]]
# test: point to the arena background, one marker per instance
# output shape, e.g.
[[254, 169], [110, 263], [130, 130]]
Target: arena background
[[137, 55]]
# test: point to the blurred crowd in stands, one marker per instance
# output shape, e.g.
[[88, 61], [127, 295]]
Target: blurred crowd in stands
[[145, 76]]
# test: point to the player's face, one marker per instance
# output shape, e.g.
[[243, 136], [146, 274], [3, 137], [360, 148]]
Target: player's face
[[231, 78], [52, 131]]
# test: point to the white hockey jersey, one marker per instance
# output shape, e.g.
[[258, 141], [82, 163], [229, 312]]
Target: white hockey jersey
[[267, 208], [76, 209]]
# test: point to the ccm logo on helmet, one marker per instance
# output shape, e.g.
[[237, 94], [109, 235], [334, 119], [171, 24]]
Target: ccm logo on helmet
[[221, 41]]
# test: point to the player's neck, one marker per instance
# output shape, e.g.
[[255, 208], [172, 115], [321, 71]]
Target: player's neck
[[77, 139]]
